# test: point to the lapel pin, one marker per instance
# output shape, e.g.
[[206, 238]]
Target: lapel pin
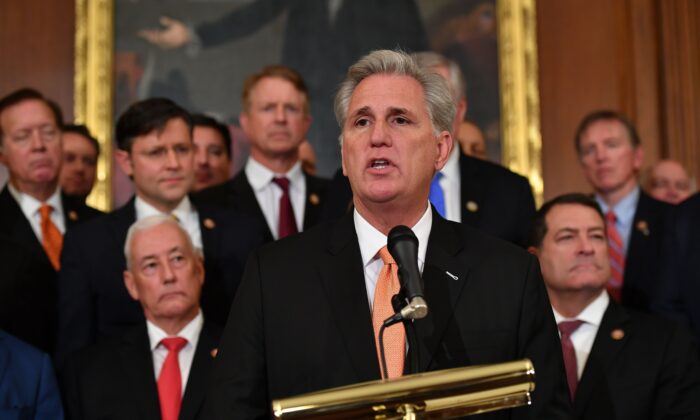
[[643, 227], [214, 352], [209, 223], [617, 334], [314, 199], [73, 216], [452, 275], [472, 206]]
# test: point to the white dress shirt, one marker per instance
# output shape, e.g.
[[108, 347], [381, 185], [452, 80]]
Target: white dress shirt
[[371, 241], [268, 193], [30, 208], [451, 184], [185, 356], [185, 213], [624, 211], [584, 336]]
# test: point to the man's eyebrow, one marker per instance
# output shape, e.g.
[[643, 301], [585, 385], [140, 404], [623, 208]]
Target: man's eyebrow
[[365, 110], [567, 230]]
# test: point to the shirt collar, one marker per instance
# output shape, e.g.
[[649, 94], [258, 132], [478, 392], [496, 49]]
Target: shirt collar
[[592, 314], [32, 205], [371, 240], [190, 332], [451, 168], [625, 208], [260, 176], [143, 209]]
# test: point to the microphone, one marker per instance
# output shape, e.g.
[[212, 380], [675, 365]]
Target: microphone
[[403, 246]]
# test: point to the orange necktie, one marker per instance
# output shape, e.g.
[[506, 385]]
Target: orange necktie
[[394, 336], [52, 239]]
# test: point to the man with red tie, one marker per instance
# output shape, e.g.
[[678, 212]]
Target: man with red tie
[[620, 363], [273, 186], [611, 154], [34, 212], [159, 369]]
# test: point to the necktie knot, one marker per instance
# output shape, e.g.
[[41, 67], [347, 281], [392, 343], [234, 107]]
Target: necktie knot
[[45, 211], [566, 328], [385, 255], [173, 343], [610, 216], [282, 182]]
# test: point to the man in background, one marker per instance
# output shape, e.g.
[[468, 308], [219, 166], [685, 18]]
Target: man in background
[[668, 181], [471, 140], [212, 152], [79, 169], [620, 363]]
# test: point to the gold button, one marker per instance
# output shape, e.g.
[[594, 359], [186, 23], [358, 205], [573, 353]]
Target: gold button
[[472, 206]]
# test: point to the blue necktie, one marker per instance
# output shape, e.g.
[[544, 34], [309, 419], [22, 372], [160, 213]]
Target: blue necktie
[[437, 196]]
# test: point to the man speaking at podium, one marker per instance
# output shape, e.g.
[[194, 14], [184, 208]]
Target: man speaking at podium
[[308, 310]]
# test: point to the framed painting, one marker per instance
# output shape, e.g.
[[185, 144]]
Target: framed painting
[[198, 52]]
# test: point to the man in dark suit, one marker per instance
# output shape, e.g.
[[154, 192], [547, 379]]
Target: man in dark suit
[[115, 378], [621, 364], [155, 149], [309, 307], [611, 155], [273, 186], [469, 190], [34, 213], [678, 289]]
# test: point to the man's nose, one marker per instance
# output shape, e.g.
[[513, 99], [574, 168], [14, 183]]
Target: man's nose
[[379, 134], [280, 114], [173, 159]]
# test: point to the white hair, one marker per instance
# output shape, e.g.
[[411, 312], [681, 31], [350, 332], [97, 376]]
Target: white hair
[[151, 222]]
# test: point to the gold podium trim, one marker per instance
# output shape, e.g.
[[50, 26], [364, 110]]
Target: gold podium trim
[[439, 394]]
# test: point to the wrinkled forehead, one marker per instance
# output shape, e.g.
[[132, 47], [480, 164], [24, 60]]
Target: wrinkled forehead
[[385, 93]]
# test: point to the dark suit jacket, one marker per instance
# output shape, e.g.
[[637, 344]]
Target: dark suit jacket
[[114, 379], [28, 278], [493, 199], [652, 372], [678, 288], [239, 195], [644, 252], [28, 388], [93, 301], [301, 321]]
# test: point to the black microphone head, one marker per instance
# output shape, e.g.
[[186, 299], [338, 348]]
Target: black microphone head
[[398, 234], [402, 244]]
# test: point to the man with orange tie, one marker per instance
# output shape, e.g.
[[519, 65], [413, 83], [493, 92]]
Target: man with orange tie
[[33, 210], [273, 187], [308, 311], [611, 155], [158, 369], [620, 363]]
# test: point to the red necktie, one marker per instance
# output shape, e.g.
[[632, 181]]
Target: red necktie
[[170, 381], [616, 250], [566, 328], [287, 223], [52, 239], [394, 336]]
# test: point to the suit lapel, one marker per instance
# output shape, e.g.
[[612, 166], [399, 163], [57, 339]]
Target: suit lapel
[[197, 382], [18, 226], [604, 351], [137, 362], [443, 262], [123, 218], [211, 240], [313, 205], [472, 192], [342, 278], [243, 199]]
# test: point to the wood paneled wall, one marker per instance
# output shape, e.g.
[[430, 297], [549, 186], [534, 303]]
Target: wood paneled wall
[[36, 48], [636, 56]]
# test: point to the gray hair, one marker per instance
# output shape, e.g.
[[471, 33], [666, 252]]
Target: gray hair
[[151, 222], [439, 103], [429, 60]]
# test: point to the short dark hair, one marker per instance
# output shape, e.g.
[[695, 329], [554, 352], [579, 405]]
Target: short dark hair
[[28, 94], [539, 225], [278, 71], [201, 120], [146, 116], [606, 115], [83, 131]]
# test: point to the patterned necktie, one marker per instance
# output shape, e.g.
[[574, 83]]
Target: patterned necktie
[[170, 381], [616, 250], [394, 336], [52, 239], [437, 195], [287, 223], [566, 328]]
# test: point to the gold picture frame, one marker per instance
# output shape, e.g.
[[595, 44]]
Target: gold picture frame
[[517, 50]]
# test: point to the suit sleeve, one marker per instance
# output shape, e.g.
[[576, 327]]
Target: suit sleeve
[[239, 383], [75, 308], [538, 340], [48, 405]]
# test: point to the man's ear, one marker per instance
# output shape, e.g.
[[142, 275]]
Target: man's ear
[[130, 284], [123, 159], [445, 143], [243, 121]]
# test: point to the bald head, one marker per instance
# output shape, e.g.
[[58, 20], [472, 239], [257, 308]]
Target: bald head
[[668, 181]]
